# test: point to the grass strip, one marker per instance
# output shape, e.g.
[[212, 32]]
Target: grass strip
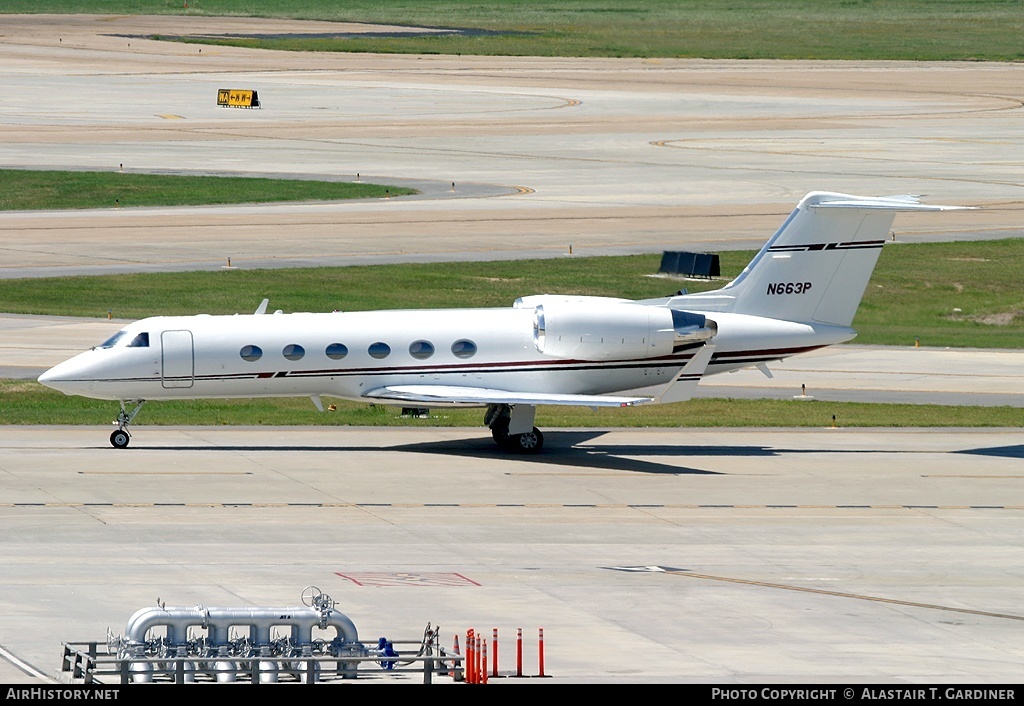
[[28, 402], [913, 30], [22, 189], [964, 294]]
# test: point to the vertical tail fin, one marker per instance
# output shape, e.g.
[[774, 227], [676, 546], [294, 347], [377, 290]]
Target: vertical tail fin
[[817, 265]]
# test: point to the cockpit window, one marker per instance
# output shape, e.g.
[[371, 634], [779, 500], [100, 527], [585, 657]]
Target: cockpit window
[[109, 343], [140, 341]]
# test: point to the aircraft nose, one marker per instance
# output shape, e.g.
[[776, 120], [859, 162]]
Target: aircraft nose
[[62, 377], [49, 377]]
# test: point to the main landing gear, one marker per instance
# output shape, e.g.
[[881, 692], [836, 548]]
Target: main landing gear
[[120, 437], [512, 428]]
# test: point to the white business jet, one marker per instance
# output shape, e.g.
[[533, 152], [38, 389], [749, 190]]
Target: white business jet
[[798, 294]]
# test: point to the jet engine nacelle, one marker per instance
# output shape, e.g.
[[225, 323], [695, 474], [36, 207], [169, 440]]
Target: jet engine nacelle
[[602, 328]]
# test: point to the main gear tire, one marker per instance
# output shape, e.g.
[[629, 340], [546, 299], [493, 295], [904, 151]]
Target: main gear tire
[[529, 443]]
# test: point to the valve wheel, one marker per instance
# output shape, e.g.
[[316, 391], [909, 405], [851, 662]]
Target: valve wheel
[[311, 596]]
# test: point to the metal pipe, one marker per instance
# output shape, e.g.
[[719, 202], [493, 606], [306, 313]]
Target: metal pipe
[[177, 620], [301, 621]]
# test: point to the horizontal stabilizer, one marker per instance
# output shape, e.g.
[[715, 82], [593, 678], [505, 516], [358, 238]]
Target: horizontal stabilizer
[[906, 202], [451, 394]]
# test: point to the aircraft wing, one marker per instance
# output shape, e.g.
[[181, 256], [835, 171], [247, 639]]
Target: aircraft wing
[[434, 394], [678, 389]]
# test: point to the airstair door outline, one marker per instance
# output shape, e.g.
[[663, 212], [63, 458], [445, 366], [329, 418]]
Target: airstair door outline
[[177, 359]]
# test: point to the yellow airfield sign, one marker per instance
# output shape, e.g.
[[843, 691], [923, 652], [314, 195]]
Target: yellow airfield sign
[[237, 98]]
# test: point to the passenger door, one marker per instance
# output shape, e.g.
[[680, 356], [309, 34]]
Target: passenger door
[[177, 358]]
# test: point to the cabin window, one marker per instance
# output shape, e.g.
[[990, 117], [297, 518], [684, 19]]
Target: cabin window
[[109, 343], [421, 350], [140, 341], [251, 353], [379, 350], [293, 351], [337, 351], [464, 348]]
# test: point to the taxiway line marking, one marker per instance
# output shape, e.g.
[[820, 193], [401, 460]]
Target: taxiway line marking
[[24, 666]]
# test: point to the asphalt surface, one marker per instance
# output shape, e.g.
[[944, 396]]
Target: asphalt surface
[[738, 556]]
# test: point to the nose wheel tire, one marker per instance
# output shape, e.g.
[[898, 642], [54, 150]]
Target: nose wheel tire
[[119, 439]]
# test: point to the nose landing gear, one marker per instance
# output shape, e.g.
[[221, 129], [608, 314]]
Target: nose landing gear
[[120, 437]]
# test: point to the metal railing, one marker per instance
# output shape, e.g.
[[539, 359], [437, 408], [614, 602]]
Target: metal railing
[[83, 661]]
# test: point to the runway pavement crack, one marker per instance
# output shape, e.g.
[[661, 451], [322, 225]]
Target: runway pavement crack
[[841, 594]]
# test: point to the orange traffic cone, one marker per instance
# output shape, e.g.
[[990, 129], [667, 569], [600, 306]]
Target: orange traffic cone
[[456, 673]]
